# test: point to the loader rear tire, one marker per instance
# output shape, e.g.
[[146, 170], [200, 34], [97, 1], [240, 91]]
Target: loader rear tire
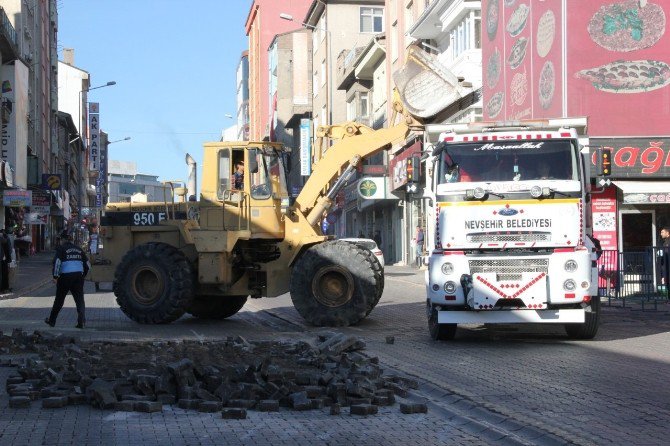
[[589, 328], [379, 279], [216, 307], [335, 284], [154, 283]]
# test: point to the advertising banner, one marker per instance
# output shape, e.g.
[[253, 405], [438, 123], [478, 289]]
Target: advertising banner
[[398, 165], [94, 137], [305, 147], [372, 188], [14, 123], [16, 198], [613, 65], [51, 181]]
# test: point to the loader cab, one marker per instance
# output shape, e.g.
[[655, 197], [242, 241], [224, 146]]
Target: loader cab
[[249, 183]]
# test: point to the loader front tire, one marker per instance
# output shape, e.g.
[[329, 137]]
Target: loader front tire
[[335, 284], [216, 307], [154, 283]]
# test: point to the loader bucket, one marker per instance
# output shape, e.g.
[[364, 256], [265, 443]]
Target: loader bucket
[[426, 87]]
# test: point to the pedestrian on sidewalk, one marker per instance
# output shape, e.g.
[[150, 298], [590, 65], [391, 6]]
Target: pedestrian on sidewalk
[[5, 260], [418, 240], [70, 266], [664, 258]]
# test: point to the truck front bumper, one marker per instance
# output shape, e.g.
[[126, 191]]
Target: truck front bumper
[[563, 316]]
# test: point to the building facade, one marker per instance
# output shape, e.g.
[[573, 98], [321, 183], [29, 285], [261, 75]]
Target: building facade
[[124, 182], [264, 21]]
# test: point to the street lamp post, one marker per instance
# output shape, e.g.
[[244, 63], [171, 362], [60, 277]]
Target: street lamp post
[[329, 43], [118, 140]]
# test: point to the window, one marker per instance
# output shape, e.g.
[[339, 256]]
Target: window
[[315, 41], [351, 110], [323, 115], [466, 35], [372, 20], [261, 184], [323, 72], [315, 83], [364, 102], [409, 19], [224, 172]]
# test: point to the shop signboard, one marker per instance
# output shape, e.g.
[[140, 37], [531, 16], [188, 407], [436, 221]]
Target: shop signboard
[[604, 211], [647, 198], [372, 188], [305, 147], [13, 150], [17, 198], [94, 137], [635, 157], [36, 218], [40, 198], [611, 64], [398, 165], [51, 181]]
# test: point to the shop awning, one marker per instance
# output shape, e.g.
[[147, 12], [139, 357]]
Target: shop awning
[[641, 192]]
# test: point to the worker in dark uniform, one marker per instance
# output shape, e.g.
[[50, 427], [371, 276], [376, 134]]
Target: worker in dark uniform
[[70, 266]]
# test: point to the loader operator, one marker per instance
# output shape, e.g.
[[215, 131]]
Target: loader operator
[[238, 176]]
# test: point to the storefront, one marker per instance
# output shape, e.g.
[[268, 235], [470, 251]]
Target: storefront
[[412, 211]]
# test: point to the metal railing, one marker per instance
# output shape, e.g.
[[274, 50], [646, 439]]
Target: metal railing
[[7, 28], [639, 276]]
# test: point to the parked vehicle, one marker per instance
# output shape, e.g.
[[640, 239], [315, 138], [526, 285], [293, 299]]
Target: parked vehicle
[[368, 244]]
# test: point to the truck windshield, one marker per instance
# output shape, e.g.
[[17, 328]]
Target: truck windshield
[[508, 161]]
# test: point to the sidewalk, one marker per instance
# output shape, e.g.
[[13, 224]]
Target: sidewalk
[[33, 272]]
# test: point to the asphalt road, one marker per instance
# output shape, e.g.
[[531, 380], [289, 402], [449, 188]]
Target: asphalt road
[[509, 385]]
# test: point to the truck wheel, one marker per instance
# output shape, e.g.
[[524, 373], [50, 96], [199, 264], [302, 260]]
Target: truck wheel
[[154, 283], [216, 307], [440, 332], [335, 284], [589, 328]]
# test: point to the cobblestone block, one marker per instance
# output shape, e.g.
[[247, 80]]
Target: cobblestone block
[[268, 406], [335, 409], [147, 406], [133, 397], [234, 414], [363, 409], [166, 398], [54, 402], [77, 399], [356, 401], [240, 403], [124, 406], [19, 402], [186, 403], [210, 406], [410, 408]]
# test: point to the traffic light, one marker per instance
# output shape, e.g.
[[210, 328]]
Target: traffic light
[[604, 161], [413, 169]]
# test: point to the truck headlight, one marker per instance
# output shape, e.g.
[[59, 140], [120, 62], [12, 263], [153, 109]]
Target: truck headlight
[[570, 266], [447, 268], [569, 285], [450, 287]]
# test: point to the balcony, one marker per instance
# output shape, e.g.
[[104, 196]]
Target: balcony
[[8, 40]]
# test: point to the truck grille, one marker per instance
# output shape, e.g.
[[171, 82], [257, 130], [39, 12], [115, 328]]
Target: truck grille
[[508, 267], [512, 237]]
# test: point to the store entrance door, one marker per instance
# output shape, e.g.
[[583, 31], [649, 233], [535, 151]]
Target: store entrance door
[[637, 237]]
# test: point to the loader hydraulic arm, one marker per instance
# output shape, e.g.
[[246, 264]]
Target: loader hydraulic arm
[[355, 143]]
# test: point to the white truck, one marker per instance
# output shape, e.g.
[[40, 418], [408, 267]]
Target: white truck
[[511, 241]]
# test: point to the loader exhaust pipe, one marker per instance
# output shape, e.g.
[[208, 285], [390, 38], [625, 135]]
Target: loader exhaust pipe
[[192, 177]]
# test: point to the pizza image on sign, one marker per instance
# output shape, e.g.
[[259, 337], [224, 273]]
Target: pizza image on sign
[[547, 85], [494, 105], [517, 53], [628, 76], [517, 21], [492, 16], [546, 31], [630, 25], [493, 69]]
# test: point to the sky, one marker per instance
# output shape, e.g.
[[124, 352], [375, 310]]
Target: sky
[[174, 63]]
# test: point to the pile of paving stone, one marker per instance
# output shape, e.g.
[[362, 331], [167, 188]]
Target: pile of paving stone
[[230, 376]]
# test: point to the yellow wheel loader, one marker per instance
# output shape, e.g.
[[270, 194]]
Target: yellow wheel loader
[[241, 238]]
